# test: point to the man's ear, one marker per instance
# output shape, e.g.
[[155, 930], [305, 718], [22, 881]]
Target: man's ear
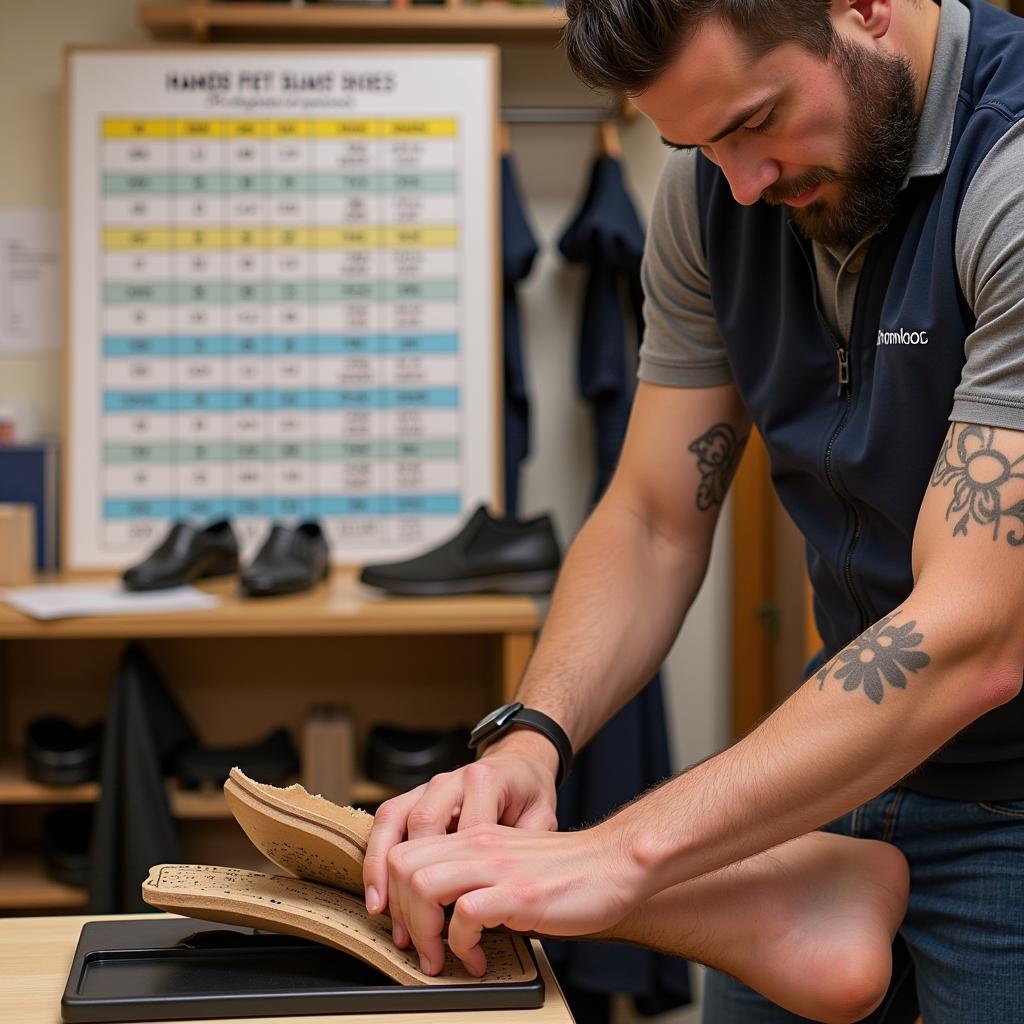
[[872, 16]]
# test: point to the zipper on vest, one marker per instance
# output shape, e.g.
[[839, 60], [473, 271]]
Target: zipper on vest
[[848, 558], [842, 354], [843, 390], [844, 369]]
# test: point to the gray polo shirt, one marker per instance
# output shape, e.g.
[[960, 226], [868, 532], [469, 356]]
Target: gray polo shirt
[[683, 348]]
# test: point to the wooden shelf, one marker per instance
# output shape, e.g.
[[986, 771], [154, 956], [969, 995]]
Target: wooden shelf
[[342, 606], [493, 636], [25, 886], [16, 788], [476, 22]]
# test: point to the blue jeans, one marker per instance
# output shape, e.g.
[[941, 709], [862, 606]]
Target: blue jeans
[[959, 956]]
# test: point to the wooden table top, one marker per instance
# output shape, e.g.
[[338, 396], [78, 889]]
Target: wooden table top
[[36, 954]]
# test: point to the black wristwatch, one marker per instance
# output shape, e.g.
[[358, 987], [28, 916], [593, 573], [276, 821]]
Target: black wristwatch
[[509, 716]]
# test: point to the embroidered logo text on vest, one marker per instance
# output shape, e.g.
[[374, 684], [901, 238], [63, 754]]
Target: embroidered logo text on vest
[[902, 337]]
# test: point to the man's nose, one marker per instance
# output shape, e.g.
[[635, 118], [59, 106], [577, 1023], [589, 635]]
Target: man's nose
[[748, 174]]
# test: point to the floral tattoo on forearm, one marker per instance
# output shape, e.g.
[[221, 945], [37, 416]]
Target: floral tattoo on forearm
[[882, 654], [983, 483], [718, 454]]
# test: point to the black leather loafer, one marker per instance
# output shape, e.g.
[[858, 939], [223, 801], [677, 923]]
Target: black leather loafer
[[185, 555], [487, 555], [273, 760], [292, 559], [60, 753], [406, 758]]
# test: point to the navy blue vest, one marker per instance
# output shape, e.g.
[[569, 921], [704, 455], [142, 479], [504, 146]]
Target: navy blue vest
[[851, 461]]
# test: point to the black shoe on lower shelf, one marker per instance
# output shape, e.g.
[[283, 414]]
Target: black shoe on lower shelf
[[67, 833], [185, 555], [273, 760], [60, 753], [292, 559], [406, 758], [487, 555]]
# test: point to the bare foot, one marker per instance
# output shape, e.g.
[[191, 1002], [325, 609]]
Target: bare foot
[[808, 924], [820, 934]]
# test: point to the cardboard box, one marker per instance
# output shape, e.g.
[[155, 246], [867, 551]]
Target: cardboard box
[[17, 544], [329, 753]]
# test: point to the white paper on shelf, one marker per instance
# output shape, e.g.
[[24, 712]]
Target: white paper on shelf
[[30, 288], [70, 600]]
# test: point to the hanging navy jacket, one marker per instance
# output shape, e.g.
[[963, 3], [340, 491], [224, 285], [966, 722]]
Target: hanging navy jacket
[[607, 237], [518, 251], [851, 461]]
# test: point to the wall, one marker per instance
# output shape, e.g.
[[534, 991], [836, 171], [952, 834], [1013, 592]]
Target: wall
[[552, 163], [32, 40]]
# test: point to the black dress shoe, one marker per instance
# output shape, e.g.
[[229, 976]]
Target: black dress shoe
[[291, 559], [406, 758], [67, 832], [60, 753], [487, 555], [273, 760], [186, 554]]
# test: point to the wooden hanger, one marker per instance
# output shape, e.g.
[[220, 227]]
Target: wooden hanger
[[627, 112], [608, 142]]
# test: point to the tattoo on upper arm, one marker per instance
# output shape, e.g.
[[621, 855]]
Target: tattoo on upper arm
[[879, 655], [718, 452], [983, 482]]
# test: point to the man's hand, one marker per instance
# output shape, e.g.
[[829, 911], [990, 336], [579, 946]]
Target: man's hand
[[627, 581], [513, 784], [549, 883]]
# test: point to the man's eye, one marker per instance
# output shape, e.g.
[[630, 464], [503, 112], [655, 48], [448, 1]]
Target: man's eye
[[765, 124]]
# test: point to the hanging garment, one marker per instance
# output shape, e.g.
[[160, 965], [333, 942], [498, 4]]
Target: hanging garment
[[630, 754], [607, 237], [518, 251], [134, 828]]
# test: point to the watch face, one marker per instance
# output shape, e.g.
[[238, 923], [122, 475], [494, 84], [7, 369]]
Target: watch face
[[492, 723]]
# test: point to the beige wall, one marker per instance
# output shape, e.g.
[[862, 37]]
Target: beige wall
[[553, 163], [32, 39]]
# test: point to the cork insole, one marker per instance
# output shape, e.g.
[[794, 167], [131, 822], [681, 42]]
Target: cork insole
[[323, 914], [304, 835]]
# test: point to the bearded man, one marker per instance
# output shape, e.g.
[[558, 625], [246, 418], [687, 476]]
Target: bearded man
[[836, 256]]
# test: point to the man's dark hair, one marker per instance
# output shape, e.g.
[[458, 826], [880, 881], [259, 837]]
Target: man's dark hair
[[624, 45]]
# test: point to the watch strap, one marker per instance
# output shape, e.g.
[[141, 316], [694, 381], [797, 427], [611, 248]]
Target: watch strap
[[528, 718]]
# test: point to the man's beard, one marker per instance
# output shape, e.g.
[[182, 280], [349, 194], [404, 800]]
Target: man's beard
[[879, 142]]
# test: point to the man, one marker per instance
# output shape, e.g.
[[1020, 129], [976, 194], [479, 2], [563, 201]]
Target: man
[[835, 257]]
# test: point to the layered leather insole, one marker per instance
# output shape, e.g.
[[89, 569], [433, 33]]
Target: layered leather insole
[[304, 835], [323, 914], [321, 846]]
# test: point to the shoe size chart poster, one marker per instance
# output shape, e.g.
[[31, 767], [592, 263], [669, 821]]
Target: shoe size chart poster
[[282, 295]]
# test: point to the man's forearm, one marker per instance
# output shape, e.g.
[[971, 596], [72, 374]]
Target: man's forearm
[[620, 599], [879, 709]]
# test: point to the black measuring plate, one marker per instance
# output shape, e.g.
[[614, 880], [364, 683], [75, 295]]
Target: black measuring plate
[[175, 969]]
